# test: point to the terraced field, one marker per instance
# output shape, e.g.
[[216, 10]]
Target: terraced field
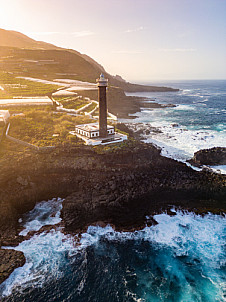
[[73, 102], [12, 87]]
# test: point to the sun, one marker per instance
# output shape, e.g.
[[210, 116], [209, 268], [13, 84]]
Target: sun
[[11, 14]]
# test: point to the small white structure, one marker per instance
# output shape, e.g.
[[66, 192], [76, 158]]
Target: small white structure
[[92, 130], [90, 134], [4, 115]]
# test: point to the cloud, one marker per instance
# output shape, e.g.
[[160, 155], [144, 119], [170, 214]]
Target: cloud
[[76, 34], [133, 52], [178, 49], [134, 30], [83, 33], [47, 33]]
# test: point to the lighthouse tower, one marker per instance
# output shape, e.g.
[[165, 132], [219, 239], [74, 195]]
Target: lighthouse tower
[[102, 84], [100, 133]]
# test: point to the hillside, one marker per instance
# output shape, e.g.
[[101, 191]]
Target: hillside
[[13, 38], [24, 56]]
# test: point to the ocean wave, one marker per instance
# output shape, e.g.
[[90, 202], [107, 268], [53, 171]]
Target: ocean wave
[[184, 107], [51, 256], [45, 254], [180, 142], [177, 141], [44, 213]]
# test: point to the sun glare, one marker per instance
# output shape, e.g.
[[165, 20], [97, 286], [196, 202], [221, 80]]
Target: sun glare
[[9, 14]]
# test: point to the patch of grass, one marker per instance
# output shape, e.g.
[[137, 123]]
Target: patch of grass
[[111, 148], [15, 109], [96, 112], [90, 107], [73, 103], [45, 128]]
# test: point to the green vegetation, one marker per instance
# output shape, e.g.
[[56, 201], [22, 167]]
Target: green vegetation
[[47, 64], [76, 103], [96, 112], [73, 103], [2, 125], [17, 109], [45, 128], [111, 148], [90, 107], [17, 87]]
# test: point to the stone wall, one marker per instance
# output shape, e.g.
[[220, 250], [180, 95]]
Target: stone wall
[[25, 144]]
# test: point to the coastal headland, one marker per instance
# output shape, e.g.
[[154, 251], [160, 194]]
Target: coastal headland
[[120, 185]]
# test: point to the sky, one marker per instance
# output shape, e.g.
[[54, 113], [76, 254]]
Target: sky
[[141, 40]]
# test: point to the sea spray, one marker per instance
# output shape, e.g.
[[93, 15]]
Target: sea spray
[[44, 213]]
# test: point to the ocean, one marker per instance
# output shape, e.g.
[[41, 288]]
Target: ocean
[[197, 122], [182, 258]]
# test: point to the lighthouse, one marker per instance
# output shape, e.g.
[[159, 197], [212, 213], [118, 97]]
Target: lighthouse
[[100, 133], [102, 84]]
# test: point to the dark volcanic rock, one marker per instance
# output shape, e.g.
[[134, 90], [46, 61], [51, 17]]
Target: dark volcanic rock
[[113, 184], [10, 260], [141, 183], [213, 156]]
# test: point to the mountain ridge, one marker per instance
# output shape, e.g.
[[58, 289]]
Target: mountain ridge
[[24, 56]]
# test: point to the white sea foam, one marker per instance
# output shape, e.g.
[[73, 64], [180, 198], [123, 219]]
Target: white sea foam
[[179, 142], [45, 259], [201, 239], [44, 213], [184, 107], [186, 232], [43, 252], [48, 254], [220, 168]]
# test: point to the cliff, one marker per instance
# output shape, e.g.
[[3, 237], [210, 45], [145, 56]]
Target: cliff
[[114, 184], [101, 183]]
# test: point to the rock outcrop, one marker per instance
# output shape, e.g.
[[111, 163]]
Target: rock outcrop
[[214, 156], [139, 184], [10, 260]]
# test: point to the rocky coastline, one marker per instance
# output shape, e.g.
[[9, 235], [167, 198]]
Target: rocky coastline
[[213, 156], [118, 185]]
